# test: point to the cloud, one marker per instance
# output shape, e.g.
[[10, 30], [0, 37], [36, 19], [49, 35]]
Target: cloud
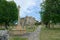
[[29, 7], [9, 0], [31, 3]]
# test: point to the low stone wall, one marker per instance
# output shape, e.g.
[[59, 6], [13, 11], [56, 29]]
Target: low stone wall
[[4, 35], [16, 32]]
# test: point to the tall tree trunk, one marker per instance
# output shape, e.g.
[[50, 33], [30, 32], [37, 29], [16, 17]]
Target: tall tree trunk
[[47, 25], [6, 25]]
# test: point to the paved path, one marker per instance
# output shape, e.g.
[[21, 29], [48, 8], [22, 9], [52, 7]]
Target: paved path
[[35, 35]]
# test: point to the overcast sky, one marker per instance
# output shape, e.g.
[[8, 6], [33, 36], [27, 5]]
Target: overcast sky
[[29, 8]]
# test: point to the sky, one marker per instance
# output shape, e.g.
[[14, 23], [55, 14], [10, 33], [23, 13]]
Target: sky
[[29, 8]]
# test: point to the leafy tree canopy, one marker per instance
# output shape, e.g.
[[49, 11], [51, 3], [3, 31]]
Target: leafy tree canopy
[[8, 12]]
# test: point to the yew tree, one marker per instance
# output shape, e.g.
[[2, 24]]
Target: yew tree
[[50, 11], [8, 12]]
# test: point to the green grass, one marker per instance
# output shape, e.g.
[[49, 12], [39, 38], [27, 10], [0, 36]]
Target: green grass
[[50, 34], [31, 29], [2, 29], [18, 38]]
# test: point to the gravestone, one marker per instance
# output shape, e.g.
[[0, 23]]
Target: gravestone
[[4, 35]]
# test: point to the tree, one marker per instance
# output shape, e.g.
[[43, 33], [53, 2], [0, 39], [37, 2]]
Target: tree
[[50, 11], [8, 12], [45, 13], [37, 23]]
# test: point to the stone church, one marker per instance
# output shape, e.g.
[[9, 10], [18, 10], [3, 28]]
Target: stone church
[[27, 21]]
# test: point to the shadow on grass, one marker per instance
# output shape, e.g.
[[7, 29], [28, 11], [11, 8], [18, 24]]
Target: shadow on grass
[[51, 28]]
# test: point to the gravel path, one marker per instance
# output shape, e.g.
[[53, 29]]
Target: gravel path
[[35, 35]]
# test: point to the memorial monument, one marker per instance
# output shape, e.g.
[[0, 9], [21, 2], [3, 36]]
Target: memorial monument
[[18, 30]]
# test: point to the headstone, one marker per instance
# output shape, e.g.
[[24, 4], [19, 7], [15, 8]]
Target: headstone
[[4, 35]]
